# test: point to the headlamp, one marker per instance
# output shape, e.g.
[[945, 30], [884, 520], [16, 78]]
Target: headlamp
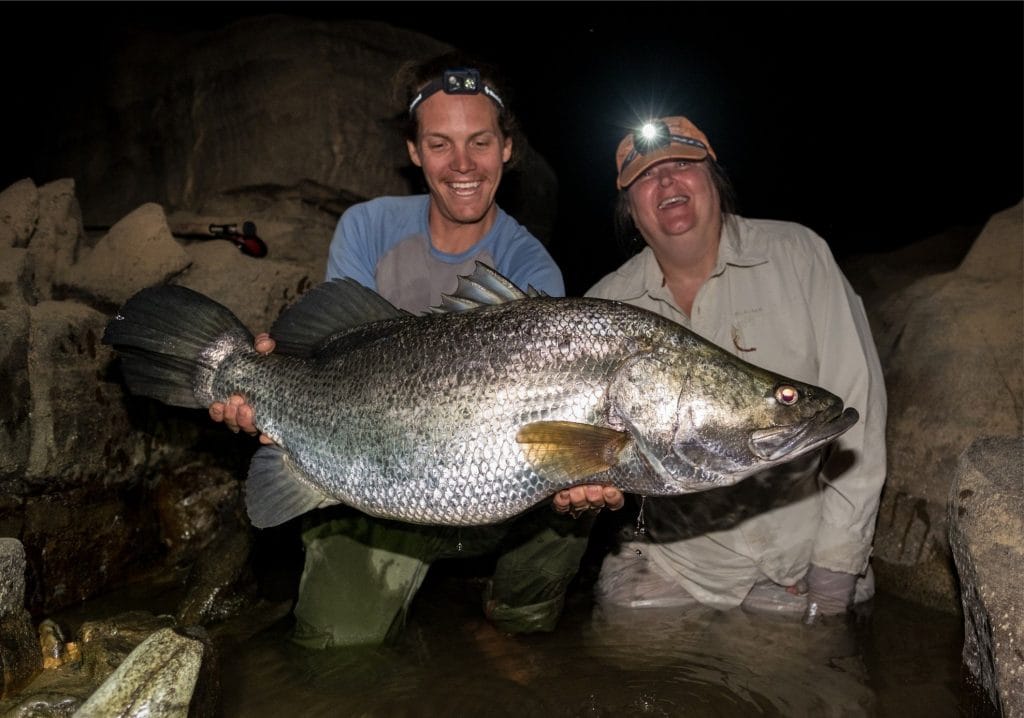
[[651, 136], [456, 81], [665, 138], [462, 81]]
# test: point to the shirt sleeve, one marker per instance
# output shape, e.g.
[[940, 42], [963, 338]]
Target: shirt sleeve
[[855, 472], [539, 272], [526, 262], [348, 255]]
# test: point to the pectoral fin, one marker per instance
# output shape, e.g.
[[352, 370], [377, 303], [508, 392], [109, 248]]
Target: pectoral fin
[[277, 490], [567, 451]]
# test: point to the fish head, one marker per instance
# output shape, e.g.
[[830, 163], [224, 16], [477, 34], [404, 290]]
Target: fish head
[[706, 418]]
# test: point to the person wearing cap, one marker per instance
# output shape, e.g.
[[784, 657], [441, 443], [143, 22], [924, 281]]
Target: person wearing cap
[[362, 573], [796, 539]]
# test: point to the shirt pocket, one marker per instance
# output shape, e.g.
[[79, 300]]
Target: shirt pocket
[[775, 338]]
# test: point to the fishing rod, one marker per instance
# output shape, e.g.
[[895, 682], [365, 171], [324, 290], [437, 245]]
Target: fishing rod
[[242, 236]]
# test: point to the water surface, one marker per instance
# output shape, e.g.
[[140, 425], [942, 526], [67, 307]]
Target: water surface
[[892, 659]]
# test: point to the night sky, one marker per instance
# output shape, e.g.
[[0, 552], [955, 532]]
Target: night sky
[[875, 123]]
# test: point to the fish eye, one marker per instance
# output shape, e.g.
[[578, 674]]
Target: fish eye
[[786, 394]]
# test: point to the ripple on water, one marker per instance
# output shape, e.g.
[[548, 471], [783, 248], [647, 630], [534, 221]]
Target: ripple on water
[[653, 662]]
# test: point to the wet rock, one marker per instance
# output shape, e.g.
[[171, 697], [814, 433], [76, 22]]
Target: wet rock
[[69, 404], [133, 664], [12, 572], [56, 650], [82, 541], [19, 654], [105, 643], [155, 680], [139, 652], [50, 704], [204, 526], [927, 335], [986, 520], [193, 506], [221, 584]]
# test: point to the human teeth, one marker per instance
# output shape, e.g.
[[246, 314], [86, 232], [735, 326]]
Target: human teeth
[[673, 200]]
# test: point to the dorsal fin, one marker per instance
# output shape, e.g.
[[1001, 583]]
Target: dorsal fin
[[484, 287], [326, 310]]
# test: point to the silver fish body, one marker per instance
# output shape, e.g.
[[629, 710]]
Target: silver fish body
[[475, 413]]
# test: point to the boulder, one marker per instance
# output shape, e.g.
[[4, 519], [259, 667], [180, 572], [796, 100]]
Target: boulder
[[952, 350], [986, 523]]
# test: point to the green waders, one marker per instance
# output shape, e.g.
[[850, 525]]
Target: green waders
[[361, 573]]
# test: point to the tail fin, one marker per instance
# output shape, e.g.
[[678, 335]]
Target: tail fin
[[171, 340]]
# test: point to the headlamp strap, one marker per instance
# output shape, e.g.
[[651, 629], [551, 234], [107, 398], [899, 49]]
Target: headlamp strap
[[456, 81], [634, 153]]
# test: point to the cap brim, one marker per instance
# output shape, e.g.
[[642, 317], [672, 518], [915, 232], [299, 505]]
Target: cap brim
[[674, 151]]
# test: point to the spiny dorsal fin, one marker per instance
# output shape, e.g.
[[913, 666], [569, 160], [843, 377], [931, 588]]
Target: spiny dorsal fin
[[567, 451], [484, 287], [326, 310]]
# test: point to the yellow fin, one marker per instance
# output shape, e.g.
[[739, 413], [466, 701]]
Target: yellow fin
[[569, 451]]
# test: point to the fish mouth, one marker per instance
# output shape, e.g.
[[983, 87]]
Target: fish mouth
[[788, 442]]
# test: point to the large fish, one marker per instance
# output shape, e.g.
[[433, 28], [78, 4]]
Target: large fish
[[477, 411]]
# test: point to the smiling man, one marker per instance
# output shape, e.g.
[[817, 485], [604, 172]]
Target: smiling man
[[411, 249], [361, 573]]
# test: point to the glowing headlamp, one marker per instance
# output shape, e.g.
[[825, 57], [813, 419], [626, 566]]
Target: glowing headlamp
[[456, 81], [651, 136]]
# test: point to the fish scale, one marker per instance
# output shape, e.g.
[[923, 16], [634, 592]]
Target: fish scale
[[431, 429], [472, 414]]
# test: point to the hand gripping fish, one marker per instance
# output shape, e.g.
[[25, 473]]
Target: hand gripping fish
[[476, 411]]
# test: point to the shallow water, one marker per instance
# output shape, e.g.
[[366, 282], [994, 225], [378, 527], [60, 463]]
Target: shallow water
[[891, 658], [894, 659]]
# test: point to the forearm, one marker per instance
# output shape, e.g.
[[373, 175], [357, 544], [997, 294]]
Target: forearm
[[855, 473]]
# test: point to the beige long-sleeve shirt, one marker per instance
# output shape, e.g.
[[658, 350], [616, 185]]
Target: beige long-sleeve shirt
[[778, 299]]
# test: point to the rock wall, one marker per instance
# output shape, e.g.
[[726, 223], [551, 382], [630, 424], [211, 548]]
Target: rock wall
[[84, 469], [269, 117], [952, 348], [986, 524], [279, 120]]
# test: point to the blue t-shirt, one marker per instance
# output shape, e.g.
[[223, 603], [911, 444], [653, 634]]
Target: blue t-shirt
[[385, 244]]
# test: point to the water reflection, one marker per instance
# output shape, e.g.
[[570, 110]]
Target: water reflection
[[732, 663], [653, 662]]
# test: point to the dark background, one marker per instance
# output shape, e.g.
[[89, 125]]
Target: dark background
[[876, 124]]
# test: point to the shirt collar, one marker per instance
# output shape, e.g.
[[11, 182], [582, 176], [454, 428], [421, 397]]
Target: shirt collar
[[733, 250]]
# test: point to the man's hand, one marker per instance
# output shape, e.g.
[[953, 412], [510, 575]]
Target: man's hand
[[236, 414], [578, 499]]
